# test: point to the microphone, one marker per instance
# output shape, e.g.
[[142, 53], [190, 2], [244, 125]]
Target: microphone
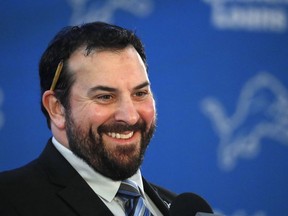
[[190, 204]]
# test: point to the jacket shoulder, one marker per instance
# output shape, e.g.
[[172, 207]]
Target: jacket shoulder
[[18, 175]]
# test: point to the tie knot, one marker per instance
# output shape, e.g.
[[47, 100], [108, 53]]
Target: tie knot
[[129, 189]]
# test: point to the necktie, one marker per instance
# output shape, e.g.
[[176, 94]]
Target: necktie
[[134, 202]]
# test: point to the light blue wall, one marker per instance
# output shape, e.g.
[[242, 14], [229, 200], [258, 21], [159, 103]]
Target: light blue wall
[[219, 72]]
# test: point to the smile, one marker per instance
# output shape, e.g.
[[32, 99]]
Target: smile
[[120, 136]]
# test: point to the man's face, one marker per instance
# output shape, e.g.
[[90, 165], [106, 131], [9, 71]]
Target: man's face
[[111, 117]]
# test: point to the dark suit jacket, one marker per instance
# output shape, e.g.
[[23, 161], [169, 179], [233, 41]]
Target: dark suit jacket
[[50, 186]]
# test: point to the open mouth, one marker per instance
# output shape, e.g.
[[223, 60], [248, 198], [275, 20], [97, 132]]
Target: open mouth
[[121, 135]]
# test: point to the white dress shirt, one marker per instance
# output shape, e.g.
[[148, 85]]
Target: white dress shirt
[[104, 187]]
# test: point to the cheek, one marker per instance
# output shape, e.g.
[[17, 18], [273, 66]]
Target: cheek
[[91, 116], [98, 117], [149, 112]]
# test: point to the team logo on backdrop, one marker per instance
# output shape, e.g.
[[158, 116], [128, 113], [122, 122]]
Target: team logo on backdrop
[[87, 10], [1, 113], [261, 112], [252, 15]]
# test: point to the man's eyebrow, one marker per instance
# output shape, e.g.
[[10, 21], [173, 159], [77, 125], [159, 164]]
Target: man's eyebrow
[[101, 88], [111, 89], [142, 85]]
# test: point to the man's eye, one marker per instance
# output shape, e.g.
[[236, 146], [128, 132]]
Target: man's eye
[[141, 94], [104, 98]]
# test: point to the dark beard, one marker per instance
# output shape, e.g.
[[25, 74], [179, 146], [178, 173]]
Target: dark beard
[[89, 146]]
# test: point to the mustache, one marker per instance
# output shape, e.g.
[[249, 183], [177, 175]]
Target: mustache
[[122, 127]]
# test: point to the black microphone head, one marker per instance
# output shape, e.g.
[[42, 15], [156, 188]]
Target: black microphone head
[[188, 204]]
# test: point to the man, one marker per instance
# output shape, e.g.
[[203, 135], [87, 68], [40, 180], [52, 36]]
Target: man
[[97, 99]]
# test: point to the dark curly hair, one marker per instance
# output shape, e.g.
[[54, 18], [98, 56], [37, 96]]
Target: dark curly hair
[[95, 35]]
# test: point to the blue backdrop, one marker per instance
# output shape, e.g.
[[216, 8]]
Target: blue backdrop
[[219, 73]]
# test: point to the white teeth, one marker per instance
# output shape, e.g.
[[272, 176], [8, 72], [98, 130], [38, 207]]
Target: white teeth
[[120, 136]]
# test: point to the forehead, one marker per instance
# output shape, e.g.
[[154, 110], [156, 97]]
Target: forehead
[[108, 67]]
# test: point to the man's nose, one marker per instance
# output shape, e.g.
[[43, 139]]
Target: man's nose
[[126, 111]]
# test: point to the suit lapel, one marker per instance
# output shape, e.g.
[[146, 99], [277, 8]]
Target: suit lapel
[[83, 200], [154, 196], [73, 190]]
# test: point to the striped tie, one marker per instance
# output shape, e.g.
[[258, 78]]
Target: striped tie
[[134, 202]]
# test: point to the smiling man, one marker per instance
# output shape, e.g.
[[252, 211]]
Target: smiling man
[[111, 116], [98, 103]]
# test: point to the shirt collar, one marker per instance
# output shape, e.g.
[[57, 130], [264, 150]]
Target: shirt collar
[[105, 187]]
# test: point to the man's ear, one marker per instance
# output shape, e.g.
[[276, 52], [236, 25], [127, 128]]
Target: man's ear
[[54, 109]]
